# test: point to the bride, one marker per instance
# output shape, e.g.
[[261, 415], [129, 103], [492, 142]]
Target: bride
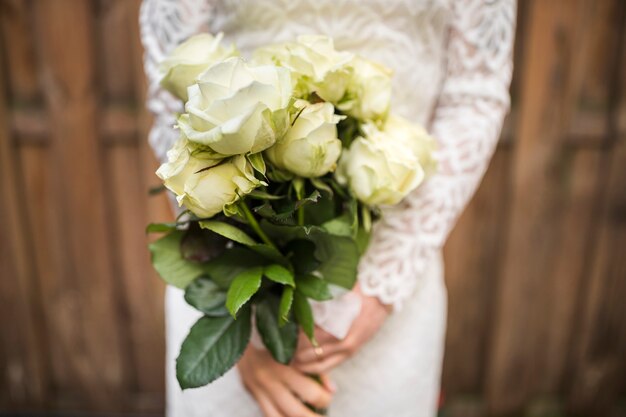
[[381, 346]]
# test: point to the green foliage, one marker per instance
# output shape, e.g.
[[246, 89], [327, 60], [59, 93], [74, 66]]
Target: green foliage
[[338, 257], [206, 296], [279, 274], [224, 268], [243, 287], [200, 246], [228, 231], [169, 262], [281, 341], [160, 227], [211, 348], [284, 309], [304, 315], [313, 287]]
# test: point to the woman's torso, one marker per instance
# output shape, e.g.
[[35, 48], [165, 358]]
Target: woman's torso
[[409, 36]]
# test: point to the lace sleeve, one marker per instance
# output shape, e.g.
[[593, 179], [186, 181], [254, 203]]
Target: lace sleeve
[[466, 122], [164, 24]]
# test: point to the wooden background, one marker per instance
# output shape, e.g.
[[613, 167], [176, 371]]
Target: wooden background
[[536, 268]]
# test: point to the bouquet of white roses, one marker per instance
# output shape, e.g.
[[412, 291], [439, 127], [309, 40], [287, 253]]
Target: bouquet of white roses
[[281, 165]]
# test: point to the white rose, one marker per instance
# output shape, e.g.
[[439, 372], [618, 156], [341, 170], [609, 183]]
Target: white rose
[[204, 184], [417, 138], [236, 108], [369, 91], [310, 148], [380, 168], [316, 65], [192, 57]]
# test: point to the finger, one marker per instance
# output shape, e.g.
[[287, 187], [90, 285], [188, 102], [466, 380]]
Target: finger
[[328, 383], [323, 337], [307, 389], [288, 404], [316, 354], [265, 403], [323, 366]]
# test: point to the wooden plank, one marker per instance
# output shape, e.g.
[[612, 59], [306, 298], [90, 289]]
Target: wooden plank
[[92, 330], [140, 287], [602, 36], [581, 174], [597, 378], [551, 77], [114, 37], [20, 52], [155, 209], [23, 360], [599, 363], [471, 278]]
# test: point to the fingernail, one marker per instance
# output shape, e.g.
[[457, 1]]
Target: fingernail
[[332, 386]]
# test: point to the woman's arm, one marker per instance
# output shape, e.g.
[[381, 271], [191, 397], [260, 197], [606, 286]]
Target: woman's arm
[[467, 123]]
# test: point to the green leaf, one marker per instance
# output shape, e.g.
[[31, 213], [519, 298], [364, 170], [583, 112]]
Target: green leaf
[[211, 348], [270, 253], [169, 263], [302, 254], [160, 227], [313, 287], [339, 257], [262, 195], [281, 341], [366, 218], [257, 162], [284, 309], [224, 268], [321, 185], [207, 297], [283, 212], [228, 231], [304, 315], [345, 224], [279, 274], [362, 239], [243, 287]]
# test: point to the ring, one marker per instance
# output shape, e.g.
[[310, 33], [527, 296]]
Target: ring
[[319, 351]]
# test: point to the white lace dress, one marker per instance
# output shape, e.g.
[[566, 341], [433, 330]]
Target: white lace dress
[[452, 63]]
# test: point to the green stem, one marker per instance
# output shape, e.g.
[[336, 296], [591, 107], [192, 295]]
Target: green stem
[[298, 185], [255, 224]]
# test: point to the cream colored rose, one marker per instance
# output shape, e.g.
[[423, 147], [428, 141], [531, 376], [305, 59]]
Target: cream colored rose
[[380, 168], [204, 184], [368, 95], [310, 148], [190, 59], [237, 108], [417, 138], [315, 64]]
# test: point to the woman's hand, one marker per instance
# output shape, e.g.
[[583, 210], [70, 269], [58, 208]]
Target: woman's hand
[[331, 351], [281, 390]]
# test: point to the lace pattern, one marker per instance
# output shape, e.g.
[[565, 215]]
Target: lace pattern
[[467, 122], [164, 25]]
